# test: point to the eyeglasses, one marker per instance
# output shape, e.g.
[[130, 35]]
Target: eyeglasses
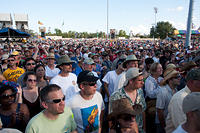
[[56, 100], [6, 96], [28, 64], [10, 60], [31, 80], [90, 83]]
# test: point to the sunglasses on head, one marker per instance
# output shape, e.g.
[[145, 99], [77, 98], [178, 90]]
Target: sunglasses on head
[[90, 83], [31, 80], [56, 100], [6, 96], [28, 64]]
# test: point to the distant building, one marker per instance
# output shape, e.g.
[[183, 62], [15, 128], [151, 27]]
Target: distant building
[[5, 20], [21, 21]]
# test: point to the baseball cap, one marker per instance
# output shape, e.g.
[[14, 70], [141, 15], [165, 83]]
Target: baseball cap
[[86, 76], [132, 73], [191, 102]]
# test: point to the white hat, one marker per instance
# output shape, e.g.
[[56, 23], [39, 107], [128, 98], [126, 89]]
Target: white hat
[[132, 73]]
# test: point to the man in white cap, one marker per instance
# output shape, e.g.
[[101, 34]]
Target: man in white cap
[[191, 107], [132, 90], [130, 62]]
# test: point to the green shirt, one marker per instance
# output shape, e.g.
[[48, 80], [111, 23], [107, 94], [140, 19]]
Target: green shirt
[[139, 100], [63, 124]]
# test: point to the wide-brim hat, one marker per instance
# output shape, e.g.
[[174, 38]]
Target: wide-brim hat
[[168, 74], [123, 106], [51, 56], [64, 60], [130, 58], [132, 73]]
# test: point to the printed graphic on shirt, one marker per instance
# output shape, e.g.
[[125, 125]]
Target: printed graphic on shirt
[[90, 118]]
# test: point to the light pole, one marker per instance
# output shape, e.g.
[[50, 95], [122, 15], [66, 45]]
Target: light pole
[[155, 11], [189, 24], [107, 18]]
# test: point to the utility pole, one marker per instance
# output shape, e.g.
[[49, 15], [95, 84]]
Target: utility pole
[[155, 11], [107, 19], [189, 24]]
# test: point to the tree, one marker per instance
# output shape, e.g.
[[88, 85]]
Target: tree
[[162, 30], [122, 33], [58, 32]]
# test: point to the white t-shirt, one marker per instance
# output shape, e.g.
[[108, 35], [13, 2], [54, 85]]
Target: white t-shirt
[[110, 78], [119, 83], [87, 112], [68, 84], [179, 129], [99, 84], [51, 72]]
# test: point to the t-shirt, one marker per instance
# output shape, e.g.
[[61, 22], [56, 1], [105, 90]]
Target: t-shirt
[[179, 129], [99, 84], [51, 72], [87, 112], [68, 84], [63, 124], [110, 79], [13, 75]]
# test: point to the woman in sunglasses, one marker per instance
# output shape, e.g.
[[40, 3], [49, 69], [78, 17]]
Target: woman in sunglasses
[[30, 94], [13, 115]]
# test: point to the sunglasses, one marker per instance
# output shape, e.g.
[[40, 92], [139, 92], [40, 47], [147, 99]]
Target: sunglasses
[[10, 60], [90, 83], [6, 96], [56, 100], [31, 80], [28, 64]]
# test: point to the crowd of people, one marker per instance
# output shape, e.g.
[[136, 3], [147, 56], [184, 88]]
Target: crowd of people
[[100, 86]]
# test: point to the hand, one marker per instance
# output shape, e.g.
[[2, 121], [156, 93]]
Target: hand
[[19, 90]]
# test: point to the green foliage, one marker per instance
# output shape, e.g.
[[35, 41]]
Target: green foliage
[[122, 33], [162, 30]]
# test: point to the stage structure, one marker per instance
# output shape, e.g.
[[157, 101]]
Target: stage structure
[[5, 20], [21, 21]]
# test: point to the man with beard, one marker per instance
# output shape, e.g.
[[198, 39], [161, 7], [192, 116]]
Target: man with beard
[[55, 118]]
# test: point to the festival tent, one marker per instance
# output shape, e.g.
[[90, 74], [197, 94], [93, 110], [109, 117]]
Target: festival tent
[[183, 32], [12, 33]]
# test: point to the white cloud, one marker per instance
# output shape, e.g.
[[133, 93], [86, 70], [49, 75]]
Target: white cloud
[[178, 9], [141, 29]]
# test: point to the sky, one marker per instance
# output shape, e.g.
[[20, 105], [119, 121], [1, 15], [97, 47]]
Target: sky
[[137, 16]]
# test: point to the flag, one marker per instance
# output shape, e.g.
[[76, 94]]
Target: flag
[[40, 23]]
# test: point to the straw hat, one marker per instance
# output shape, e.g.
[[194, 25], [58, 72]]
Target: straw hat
[[130, 58], [123, 106], [168, 74]]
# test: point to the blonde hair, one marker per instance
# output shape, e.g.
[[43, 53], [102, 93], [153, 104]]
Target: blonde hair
[[153, 68]]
